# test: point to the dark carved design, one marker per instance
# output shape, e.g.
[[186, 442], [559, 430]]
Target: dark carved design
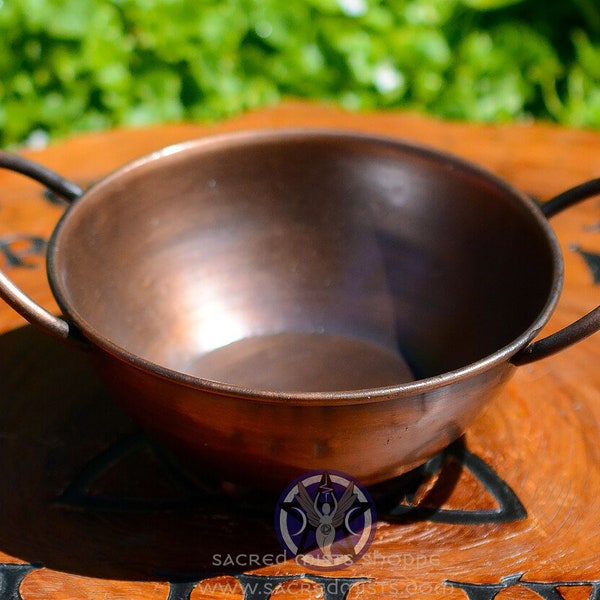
[[545, 590], [398, 502], [17, 248], [258, 587], [264, 587], [261, 587], [395, 499], [11, 577], [592, 260], [181, 590], [89, 489]]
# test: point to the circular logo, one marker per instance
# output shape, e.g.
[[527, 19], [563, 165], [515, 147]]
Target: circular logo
[[326, 520]]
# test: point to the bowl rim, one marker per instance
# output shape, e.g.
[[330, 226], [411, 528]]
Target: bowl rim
[[359, 396]]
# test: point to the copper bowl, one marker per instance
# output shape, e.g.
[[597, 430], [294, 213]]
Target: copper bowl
[[271, 302]]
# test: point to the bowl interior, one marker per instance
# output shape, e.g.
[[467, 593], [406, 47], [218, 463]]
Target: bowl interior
[[303, 262]]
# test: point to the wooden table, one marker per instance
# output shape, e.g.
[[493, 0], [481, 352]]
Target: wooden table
[[90, 508]]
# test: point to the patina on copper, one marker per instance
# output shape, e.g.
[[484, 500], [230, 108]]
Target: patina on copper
[[272, 302]]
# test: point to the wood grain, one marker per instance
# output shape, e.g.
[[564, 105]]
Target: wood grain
[[102, 513]]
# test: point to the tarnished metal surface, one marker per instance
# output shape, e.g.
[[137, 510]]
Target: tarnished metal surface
[[273, 302]]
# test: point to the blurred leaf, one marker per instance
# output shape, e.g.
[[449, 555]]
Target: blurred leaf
[[489, 4], [588, 55]]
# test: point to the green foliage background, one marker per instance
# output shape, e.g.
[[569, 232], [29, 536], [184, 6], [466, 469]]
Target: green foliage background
[[73, 65]]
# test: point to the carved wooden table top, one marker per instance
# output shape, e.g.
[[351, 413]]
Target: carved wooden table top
[[90, 508]]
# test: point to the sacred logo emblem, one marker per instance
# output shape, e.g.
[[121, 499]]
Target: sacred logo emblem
[[326, 520]]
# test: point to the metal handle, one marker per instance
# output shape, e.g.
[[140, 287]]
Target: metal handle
[[588, 324], [9, 292]]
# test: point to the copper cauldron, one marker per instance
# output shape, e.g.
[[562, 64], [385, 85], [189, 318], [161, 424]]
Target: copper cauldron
[[271, 302]]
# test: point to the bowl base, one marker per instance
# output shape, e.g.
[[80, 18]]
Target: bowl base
[[303, 362]]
